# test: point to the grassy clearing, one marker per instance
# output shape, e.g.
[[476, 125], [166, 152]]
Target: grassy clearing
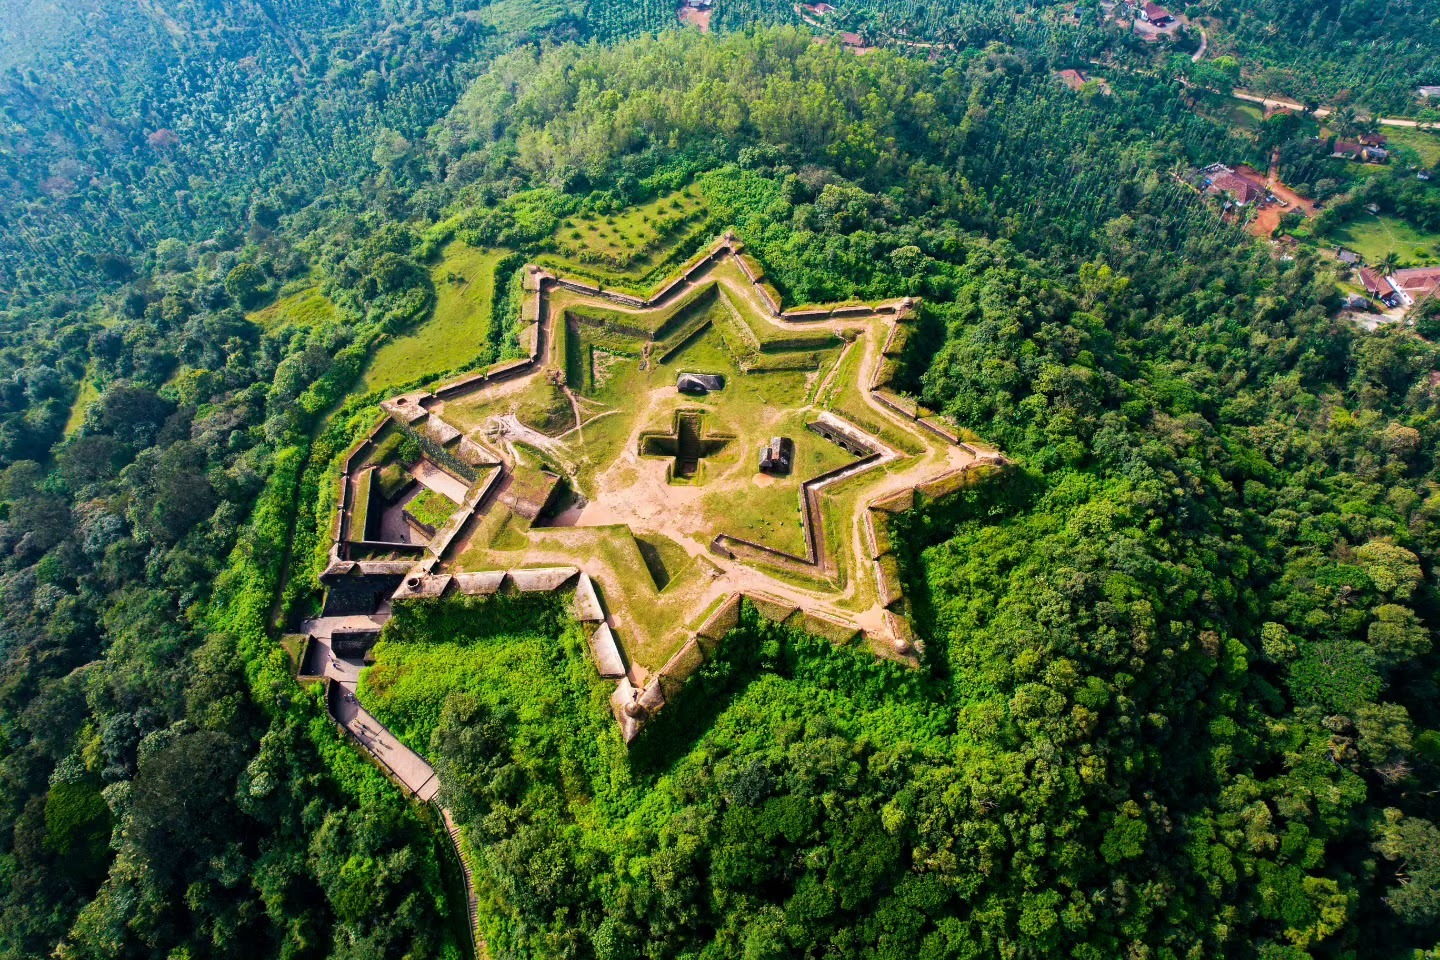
[[86, 395], [1374, 236], [1240, 115], [304, 308], [457, 333], [621, 238], [767, 509], [1423, 146], [512, 16], [502, 651], [431, 508]]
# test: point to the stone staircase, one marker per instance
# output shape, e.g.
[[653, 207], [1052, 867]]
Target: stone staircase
[[687, 447], [452, 829]]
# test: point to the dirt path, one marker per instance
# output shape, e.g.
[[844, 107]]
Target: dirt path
[[1320, 113], [508, 430]]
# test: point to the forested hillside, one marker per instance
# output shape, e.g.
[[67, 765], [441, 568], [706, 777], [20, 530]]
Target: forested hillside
[[128, 123], [1373, 53], [1180, 691], [1185, 700]]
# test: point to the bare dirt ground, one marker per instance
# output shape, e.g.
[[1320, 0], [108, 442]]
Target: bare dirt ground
[[438, 480], [1268, 217], [1151, 34], [634, 491], [699, 19], [508, 430]]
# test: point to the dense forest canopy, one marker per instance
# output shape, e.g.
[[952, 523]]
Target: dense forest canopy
[[1373, 53], [1180, 690]]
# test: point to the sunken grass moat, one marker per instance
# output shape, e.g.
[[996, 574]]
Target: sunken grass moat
[[664, 459]]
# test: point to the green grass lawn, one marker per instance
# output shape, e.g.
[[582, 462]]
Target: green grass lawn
[[509, 16], [1238, 114], [1372, 237], [1423, 144], [305, 308], [1243, 114], [86, 395], [457, 333], [431, 508]]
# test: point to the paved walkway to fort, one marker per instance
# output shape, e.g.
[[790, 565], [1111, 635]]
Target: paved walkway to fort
[[407, 766]]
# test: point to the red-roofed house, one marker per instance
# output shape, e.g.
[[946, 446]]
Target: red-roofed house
[[1351, 150], [1155, 14], [852, 39], [1241, 191], [1378, 287], [1416, 283], [1073, 79]]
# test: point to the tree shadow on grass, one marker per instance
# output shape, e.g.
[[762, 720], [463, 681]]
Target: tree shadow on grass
[[759, 647], [708, 693]]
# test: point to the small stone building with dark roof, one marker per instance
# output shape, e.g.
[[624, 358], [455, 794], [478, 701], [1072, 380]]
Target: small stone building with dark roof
[[699, 384], [777, 455]]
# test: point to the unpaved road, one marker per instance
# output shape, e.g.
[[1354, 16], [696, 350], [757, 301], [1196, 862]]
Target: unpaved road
[[1280, 103]]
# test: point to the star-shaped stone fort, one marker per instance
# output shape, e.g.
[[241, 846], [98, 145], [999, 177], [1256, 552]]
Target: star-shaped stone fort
[[665, 457]]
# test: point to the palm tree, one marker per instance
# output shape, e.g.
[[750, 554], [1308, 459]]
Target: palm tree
[[1389, 263], [1343, 121]]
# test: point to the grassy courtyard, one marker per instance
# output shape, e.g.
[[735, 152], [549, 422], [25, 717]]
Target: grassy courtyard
[[431, 508]]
